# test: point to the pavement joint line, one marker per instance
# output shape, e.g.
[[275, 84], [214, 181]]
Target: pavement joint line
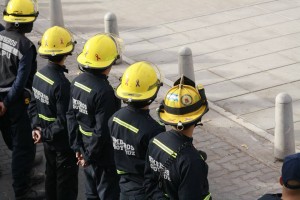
[[212, 13], [220, 50]]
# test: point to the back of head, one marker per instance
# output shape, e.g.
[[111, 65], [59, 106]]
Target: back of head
[[20, 15], [183, 106], [291, 176], [140, 84], [56, 43], [100, 52]]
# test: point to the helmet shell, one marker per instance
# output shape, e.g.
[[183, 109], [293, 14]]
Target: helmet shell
[[20, 11], [56, 41], [139, 82], [99, 52]]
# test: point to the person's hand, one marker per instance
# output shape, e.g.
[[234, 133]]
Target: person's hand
[[36, 135], [80, 160], [2, 109]]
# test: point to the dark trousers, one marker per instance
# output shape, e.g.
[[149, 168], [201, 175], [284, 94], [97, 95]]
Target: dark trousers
[[102, 183], [16, 132], [131, 186], [61, 174]]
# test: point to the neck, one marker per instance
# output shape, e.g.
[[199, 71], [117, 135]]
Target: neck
[[187, 132], [288, 194]]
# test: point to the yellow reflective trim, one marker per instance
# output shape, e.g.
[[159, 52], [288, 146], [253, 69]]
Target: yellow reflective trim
[[121, 172], [122, 123], [83, 87], [207, 197], [44, 78], [49, 119], [165, 148], [85, 132]]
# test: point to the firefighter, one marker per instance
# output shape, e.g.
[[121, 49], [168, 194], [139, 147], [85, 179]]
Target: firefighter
[[92, 103], [132, 127], [48, 109], [18, 65], [172, 161]]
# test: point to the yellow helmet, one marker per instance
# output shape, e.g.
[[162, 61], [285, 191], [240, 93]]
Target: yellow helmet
[[20, 11], [100, 51], [56, 41], [139, 82], [183, 105]]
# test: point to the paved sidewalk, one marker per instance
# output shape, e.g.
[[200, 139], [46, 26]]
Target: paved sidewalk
[[245, 53]]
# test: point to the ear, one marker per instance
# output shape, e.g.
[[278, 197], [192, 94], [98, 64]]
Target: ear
[[280, 180]]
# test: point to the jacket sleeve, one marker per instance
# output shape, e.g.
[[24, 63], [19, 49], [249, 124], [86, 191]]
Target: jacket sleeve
[[23, 74], [104, 109], [193, 178], [59, 126], [32, 112], [75, 139], [151, 183]]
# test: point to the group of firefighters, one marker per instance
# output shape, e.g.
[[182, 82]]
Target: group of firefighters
[[124, 152]]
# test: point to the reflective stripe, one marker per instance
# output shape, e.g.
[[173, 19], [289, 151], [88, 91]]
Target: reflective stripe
[[49, 119], [207, 197], [44, 78], [5, 89], [121, 172], [83, 87], [165, 148], [85, 132], [122, 123], [10, 49]]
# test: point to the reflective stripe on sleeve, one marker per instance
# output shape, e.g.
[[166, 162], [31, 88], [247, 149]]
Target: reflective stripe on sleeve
[[207, 197], [121, 172], [49, 119], [85, 132]]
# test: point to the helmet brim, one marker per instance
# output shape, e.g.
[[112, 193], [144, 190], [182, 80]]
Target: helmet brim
[[126, 95], [188, 118], [48, 52], [14, 19], [81, 59]]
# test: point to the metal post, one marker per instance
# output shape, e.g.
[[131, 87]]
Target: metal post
[[56, 14], [284, 143], [111, 26], [6, 2], [185, 63]]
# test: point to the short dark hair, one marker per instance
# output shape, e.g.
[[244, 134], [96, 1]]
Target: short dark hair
[[20, 27], [55, 59]]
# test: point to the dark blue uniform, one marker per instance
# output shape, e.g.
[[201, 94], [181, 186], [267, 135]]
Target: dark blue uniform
[[92, 103], [173, 161], [131, 130], [48, 110], [17, 67]]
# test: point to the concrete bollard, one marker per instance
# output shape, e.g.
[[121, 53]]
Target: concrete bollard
[[185, 63], [111, 26], [284, 143], [56, 14], [6, 2]]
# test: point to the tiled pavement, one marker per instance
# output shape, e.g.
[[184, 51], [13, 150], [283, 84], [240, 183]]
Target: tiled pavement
[[245, 53]]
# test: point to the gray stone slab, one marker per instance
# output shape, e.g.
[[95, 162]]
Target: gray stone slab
[[286, 28], [245, 104], [281, 43], [246, 12], [223, 90], [129, 37], [234, 70], [270, 61], [138, 48], [264, 119], [256, 35], [292, 54], [172, 40], [209, 60], [278, 5], [151, 32], [162, 56], [291, 13], [268, 19], [205, 77], [270, 94], [297, 133], [197, 48], [259, 81], [289, 73], [225, 42]]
